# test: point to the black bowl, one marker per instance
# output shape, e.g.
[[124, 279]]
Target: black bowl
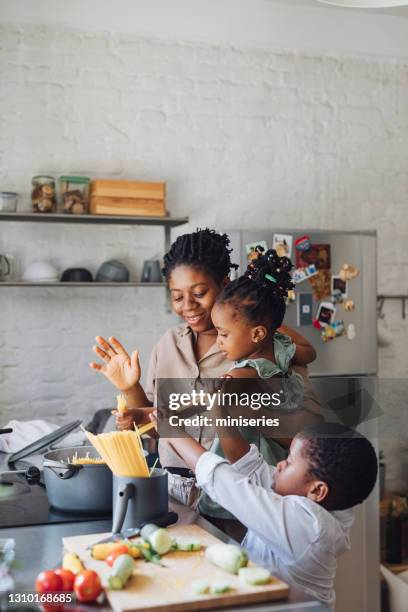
[[76, 275]]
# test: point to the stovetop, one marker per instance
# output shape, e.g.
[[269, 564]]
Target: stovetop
[[23, 504]]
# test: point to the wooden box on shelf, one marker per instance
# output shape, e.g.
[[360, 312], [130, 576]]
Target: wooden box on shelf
[[117, 197]]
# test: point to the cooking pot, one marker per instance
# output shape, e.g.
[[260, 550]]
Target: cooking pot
[[81, 489]]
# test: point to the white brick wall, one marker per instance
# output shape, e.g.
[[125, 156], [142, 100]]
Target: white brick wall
[[244, 137]]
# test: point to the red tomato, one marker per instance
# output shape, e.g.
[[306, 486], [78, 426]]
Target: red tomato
[[68, 578], [87, 585], [48, 582], [121, 549]]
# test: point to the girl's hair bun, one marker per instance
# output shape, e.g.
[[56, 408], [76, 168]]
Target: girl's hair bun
[[271, 272]]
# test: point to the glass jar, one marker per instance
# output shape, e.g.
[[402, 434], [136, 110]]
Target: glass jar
[[43, 195], [74, 192]]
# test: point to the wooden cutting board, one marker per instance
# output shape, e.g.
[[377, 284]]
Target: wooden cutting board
[[168, 589]]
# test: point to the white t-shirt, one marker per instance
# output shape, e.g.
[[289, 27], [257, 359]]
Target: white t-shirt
[[294, 537]]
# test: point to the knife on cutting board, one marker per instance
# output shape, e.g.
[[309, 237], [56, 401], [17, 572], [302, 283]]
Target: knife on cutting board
[[132, 532]]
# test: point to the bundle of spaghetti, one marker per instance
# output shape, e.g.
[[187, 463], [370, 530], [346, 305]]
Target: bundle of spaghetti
[[75, 460], [122, 451]]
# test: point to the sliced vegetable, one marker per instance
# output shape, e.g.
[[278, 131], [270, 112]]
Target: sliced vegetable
[[227, 556], [200, 587], [186, 545], [220, 587], [122, 549], [122, 569], [72, 562], [147, 530], [160, 541], [254, 575]]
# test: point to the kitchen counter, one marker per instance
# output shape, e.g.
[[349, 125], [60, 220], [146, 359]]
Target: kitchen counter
[[40, 547]]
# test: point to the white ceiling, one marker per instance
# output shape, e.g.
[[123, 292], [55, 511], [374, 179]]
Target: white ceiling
[[400, 11]]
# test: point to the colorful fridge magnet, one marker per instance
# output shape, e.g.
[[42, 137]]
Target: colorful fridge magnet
[[321, 286], [319, 255], [302, 274], [303, 244], [330, 332], [351, 331], [251, 249], [325, 313], [348, 305], [282, 243], [348, 272], [338, 284]]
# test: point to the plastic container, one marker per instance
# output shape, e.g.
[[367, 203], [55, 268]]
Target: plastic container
[[74, 192], [43, 195], [8, 201]]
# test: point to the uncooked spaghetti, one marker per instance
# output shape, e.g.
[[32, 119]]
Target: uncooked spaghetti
[[87, 460], [122, 451]]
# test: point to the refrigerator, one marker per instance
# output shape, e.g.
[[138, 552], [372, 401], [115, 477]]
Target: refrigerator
[[343, 376], [339, 356]]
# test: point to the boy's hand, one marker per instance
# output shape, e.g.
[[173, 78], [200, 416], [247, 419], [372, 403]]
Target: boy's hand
[[127, 419], [121, 369]]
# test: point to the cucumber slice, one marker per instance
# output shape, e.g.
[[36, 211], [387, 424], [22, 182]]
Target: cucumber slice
[[160, 541], [147, 530], [187, 545], [254, 575], [200, 587], [220, 587]]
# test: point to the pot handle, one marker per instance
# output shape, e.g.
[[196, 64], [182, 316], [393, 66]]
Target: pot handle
[[64, 473], [122, 503]]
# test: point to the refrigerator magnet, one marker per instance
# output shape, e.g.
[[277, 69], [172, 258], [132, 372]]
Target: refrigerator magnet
[[305, 309], [252, 251], [330, 332], [325, 313], [348, 305], [321, 284], [338, 284], [319, 255], [303, 244], [351, 331], [348, 272], [302, 274], [282, 243]]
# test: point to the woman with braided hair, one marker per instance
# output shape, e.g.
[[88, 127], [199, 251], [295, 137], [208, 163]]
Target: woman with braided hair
[[197, 269]]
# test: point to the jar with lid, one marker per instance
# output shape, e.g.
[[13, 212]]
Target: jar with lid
[[74, 194], [43, 197]]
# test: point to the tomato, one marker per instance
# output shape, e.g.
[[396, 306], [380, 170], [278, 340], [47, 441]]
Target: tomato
[[121, 549], [48, 582], [68, 578], [87, 585]]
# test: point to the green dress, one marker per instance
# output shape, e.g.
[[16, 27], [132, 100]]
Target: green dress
[[271, 450]]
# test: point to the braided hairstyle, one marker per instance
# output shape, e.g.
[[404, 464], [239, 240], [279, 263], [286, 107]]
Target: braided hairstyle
[[204, 249], [259, 294]]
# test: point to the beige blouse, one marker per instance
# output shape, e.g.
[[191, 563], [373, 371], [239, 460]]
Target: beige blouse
[[173, 357]]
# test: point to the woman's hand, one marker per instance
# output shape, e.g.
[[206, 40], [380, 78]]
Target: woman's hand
[[121, 369]]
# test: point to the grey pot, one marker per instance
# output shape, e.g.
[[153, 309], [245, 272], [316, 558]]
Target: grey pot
[[139, 500], [81, 489]]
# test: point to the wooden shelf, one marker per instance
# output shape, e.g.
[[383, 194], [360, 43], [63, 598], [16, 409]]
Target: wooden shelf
[[102, 219], [93, 284]]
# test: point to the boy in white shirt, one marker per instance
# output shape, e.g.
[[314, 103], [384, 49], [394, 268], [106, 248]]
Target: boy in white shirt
[[298, 514]]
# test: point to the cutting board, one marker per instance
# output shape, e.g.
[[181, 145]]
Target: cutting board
[[168, 589]]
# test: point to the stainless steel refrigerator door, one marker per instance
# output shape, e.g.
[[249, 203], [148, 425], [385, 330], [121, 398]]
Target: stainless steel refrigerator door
[[340, 356]]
